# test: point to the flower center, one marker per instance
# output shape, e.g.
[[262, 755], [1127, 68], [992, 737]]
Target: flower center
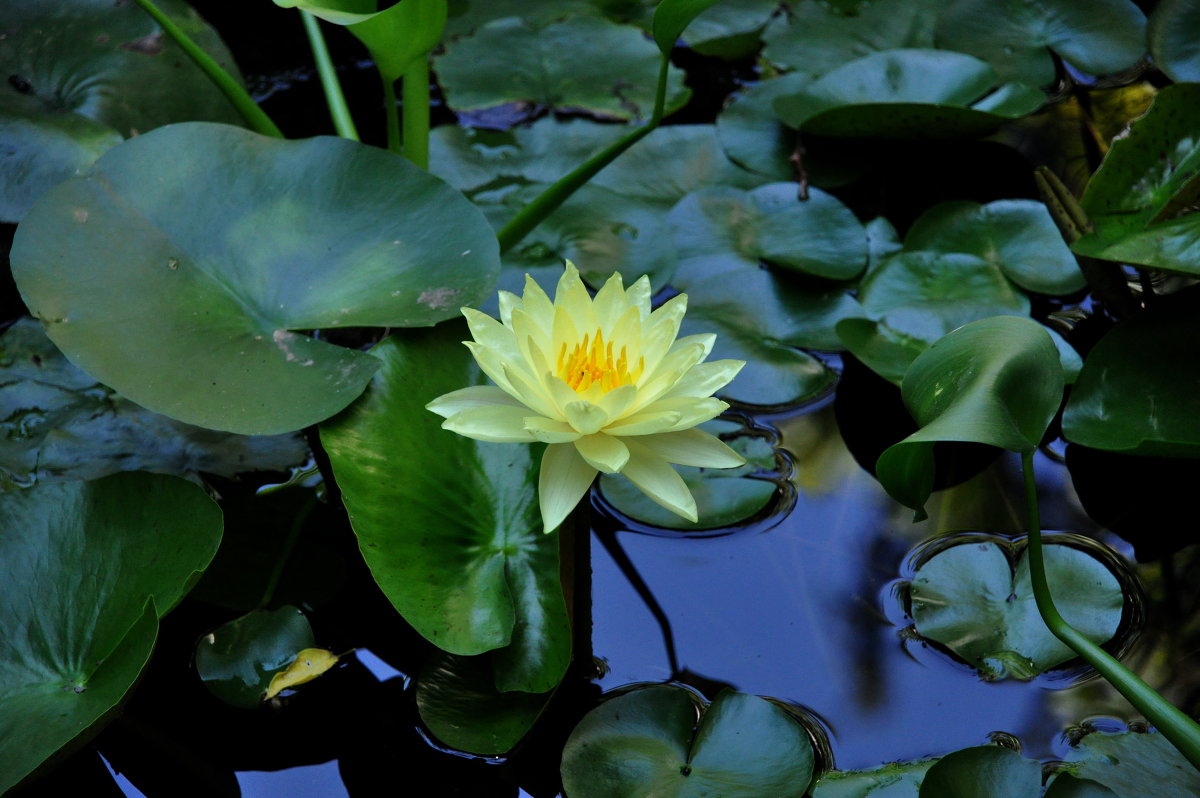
[[591, 362]]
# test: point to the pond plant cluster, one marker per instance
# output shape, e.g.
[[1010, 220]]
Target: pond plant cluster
[[260, 508]]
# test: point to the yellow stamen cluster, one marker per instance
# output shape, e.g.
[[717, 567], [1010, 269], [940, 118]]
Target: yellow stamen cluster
[[591, 362]]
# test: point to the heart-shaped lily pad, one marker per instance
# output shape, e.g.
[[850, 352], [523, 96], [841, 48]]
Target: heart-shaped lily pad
[[86, 568], [57, 422], [208, 246], [581, 63], [907, 94], [82, 75], [449, 526], [724, 496], [1021, 39], [976, 598], [237, 660], [660, 741]]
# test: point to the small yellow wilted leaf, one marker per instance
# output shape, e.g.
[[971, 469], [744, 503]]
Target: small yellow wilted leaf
[[308, 665]]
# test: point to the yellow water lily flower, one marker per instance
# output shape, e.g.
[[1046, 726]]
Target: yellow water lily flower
[[603, 381]]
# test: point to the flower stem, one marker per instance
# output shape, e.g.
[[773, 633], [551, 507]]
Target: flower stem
[[343, 123], [393, 114], [255, 117], [1177, 727], [561, 190], [416, 111]]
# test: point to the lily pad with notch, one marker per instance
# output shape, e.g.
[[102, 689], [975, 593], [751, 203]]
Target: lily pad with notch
[[238, 660], [663, 741], [450, 528], [908, 94], [724, 496], [975, 597], [86, 571], [195, 314]]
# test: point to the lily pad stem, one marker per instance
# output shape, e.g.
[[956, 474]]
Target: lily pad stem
[[343, 123], [1177, 727], [416, 111], [561, 190], [255, 117], [392, 111]]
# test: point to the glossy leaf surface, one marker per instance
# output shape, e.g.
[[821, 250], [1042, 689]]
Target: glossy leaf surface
[[85, 569], [1173, 35], [996, 381], [983, 772], [450, 526], [238, 660], [653, 741], [1127, 762], [970, 598], [893, 780], [200, 268]]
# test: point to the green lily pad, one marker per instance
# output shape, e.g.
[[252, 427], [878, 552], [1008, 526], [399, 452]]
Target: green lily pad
[[907, 94], [1126, 763], [1067, 786], [1173, 34], [458, 701], [466, 16], [395, 35], [237, 660], [815, 38], [1017, 236], [1149, 178], [449, 526], [893, 780], [996, 381], [199, 269], [82, 75], [581, 64], [724, 496], [1137, 390], [85, 570], [729, 29], [987, 771], [718, 229], [1018, 38], [974, 600], [57, 422], [660, 741]]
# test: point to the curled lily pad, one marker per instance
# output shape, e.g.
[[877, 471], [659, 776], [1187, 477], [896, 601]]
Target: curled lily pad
[[1017, 38], [1139, 200], [82, 75], [1018, 236], [238, 660], [450, 529], [57, 422], [86, 569], [581, 63], [907, 94], [1174, 39], [724, 497], [661, 741], [194, 313], [1127, 762], [729, 29], [1136, 392], [976, 598]]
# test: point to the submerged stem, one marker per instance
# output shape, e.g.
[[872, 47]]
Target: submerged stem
[[255, 117], [339, 112], [1175, 725]]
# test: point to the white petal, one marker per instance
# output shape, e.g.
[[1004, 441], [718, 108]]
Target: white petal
[[618, 400], [677, 363], [560, 393], [448, 404], [564, 479], [549, 430], [662, 484], [704, 340], [492, 365], [692, 447], [508, 303], [603, 452], [668, 415], [638, 295], [644, 423], [573, 297], [496, 423], [532, 392], [528, 330], [491, 333], [610, 302], [704, 379], [534, 300], [661, 331], [585, 417]]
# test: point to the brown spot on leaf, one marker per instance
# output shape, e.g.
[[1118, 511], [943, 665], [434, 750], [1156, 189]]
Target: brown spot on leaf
[[147, 45]]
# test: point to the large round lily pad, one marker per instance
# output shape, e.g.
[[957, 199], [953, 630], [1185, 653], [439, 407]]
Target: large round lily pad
[[180, 269], [976, 601], [660, 741], [449, 526], [82, 75], [86, 568]]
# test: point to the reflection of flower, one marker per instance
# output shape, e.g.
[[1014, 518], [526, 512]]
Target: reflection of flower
[[603, 381]]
